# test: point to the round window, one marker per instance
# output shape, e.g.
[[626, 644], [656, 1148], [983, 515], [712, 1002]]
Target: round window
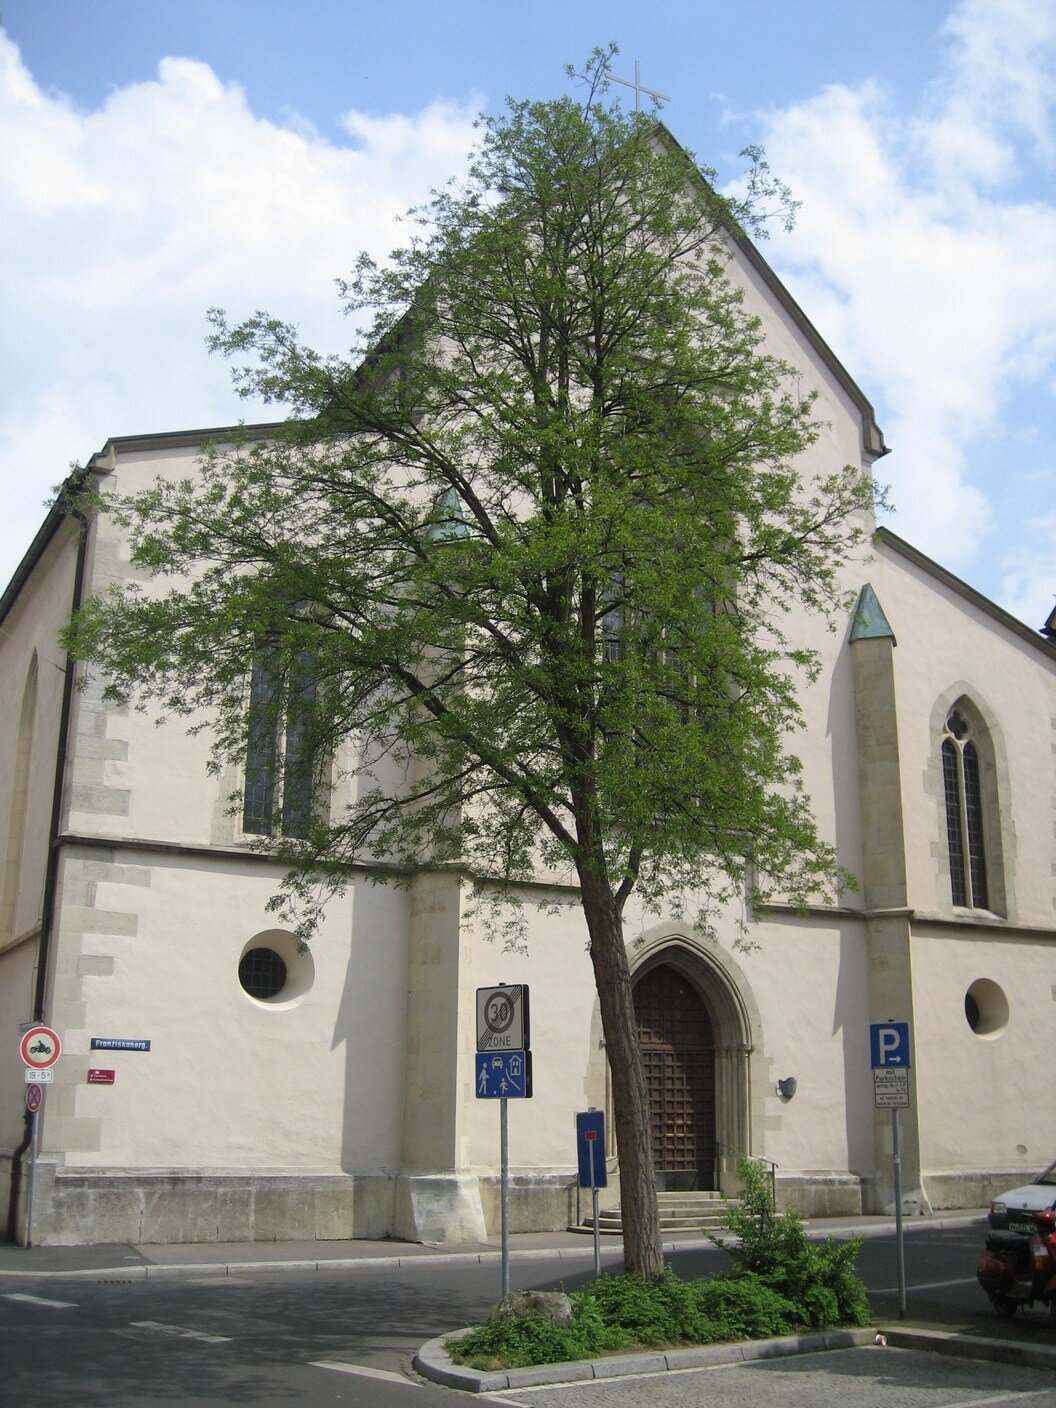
[[262, 973], [986, 1008], [275, 970]]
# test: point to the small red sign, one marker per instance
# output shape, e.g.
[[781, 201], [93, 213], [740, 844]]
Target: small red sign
[[34, 1098], [98, 1077], [590, 1135]]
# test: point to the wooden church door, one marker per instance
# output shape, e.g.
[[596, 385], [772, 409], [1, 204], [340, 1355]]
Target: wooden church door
[[678, 1049]]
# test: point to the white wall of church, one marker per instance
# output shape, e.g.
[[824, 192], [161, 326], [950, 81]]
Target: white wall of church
[[229, 1082], [810, 982], [985, 1100], [30, 633], [948, 647]]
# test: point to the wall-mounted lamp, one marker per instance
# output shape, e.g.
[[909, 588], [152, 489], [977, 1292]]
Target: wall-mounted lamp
[[787, 1087]]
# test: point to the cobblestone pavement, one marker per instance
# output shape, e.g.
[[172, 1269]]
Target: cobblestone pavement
[[849, 1378]]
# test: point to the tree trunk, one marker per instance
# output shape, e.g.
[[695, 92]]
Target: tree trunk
[[642, 1250]]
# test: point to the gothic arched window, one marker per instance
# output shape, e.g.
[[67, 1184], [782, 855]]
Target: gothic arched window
[[280, 780], [965, 828]]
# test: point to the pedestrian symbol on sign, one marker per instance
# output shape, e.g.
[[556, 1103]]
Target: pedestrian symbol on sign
[[504, 1075]]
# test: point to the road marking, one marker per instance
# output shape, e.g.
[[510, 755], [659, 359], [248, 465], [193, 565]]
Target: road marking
[[1035, 1393], [364, 1371], [39, 1300], [180, 1330], [926, 1286]]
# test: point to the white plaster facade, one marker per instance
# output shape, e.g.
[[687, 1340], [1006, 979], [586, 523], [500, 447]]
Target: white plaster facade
[[346, 1107]]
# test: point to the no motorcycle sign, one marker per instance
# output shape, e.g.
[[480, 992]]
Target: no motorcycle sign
[[40, 1048]]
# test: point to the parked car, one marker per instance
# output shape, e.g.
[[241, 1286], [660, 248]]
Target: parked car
[[1030, 1198]]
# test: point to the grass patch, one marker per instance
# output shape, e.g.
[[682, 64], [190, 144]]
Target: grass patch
[[780, 1283]]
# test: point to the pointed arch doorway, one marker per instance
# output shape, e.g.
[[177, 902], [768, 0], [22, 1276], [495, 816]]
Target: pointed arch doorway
[[677, 1041]]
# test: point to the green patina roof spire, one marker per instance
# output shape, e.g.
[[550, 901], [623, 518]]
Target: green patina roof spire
[[448, 521], [870, 623]]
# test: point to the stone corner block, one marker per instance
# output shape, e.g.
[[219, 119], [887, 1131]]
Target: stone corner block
[[439, 1208]]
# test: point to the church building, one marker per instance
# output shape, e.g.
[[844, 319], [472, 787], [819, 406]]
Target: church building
[[218, 1083]]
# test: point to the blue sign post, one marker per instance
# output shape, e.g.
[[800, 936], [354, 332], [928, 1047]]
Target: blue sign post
[[503, 1072], [590, 1155], [590, 1149], [889, 1051]]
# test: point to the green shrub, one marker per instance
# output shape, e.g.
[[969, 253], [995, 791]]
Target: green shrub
[[781, 1282], [621, 1311], [817, 1278], [515, 1341], [743, 1307]]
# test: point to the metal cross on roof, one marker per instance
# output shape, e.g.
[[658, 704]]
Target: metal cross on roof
[[638, 89]]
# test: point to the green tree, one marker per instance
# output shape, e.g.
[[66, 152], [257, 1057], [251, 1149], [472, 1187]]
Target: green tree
[[534, 543]]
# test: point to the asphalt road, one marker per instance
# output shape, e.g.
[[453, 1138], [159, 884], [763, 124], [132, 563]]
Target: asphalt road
[[335, 1337]]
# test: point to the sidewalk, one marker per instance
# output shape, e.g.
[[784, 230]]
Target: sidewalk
[[219, 1258]]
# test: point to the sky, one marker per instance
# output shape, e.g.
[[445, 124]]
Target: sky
[[158, 159]]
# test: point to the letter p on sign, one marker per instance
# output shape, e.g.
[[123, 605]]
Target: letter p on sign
[[889, 1044]]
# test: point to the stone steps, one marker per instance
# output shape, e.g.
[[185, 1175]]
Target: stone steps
[[679, 1212]]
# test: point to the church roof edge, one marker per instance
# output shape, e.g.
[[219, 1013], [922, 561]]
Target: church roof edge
[[875, 445], [885, 537]]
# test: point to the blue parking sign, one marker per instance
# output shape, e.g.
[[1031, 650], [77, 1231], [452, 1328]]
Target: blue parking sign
[[889, 1045]]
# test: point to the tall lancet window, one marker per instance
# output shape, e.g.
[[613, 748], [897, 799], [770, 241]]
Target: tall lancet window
[[281, 769], [964, 813]]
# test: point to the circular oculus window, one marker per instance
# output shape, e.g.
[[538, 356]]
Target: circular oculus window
[[986, 1008], [263, 973], [274, 970]]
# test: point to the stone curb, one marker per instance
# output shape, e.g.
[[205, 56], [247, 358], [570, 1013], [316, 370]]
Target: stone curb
[[237, 1268], [433, 1361], [391, 1263], [1026, 1356]]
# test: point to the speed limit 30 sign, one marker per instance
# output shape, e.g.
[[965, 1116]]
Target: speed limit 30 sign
[[502, 1018]]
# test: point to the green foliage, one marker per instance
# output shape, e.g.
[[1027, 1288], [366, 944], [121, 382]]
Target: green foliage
[[818, 1279], [537, 536], [514, 1341], [623, 1311], [536, 540]]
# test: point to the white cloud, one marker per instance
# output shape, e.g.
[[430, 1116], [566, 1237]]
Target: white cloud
[[931, 268], [126, 223], [1028, 581]]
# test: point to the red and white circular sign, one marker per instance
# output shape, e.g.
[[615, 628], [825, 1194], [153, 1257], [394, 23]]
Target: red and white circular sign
[[41, 1048], [34, 1098]]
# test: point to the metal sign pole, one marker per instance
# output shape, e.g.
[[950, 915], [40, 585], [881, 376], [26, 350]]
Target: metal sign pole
[[896, 1142], [504, 1158], [32, 1178], [594, 1207]]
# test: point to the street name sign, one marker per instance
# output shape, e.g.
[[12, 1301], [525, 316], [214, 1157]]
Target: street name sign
[[504, 1075], [502, 1018]]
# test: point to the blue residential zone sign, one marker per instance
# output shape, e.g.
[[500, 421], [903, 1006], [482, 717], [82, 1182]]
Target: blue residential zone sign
[[504, 1075], [889, 1045], [590, 1144]]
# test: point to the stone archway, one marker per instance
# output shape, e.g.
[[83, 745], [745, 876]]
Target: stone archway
[[712, 1028]]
